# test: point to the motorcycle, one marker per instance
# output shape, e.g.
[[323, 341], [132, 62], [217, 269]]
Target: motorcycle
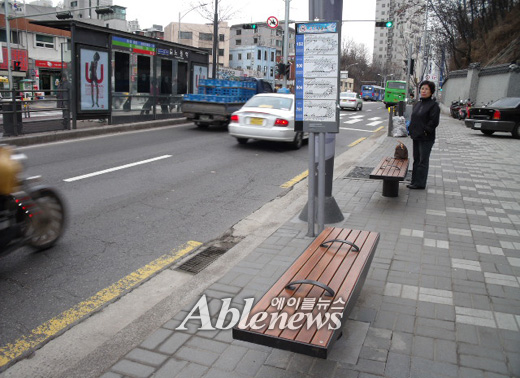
[[30, 213], [464, 110], [455, 107]]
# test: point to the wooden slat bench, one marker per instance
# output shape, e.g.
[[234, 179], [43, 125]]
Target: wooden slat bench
[[391, 171], [325, 282]]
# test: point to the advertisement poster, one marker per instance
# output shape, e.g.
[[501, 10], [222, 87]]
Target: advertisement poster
[[199, 72], [93, 80]]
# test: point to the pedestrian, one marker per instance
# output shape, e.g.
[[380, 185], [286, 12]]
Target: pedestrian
[[63, 97], [424, 120]]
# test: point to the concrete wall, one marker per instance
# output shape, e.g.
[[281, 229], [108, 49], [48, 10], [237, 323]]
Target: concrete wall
[[482, 85]]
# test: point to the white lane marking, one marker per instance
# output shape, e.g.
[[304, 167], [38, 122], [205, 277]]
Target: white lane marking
[[353, 121], [374, 118], [357, 116], [348, 128], [116, 168], [374, 123]]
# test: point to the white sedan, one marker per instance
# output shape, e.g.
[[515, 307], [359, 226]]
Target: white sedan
[[267, 116], [350, 100]]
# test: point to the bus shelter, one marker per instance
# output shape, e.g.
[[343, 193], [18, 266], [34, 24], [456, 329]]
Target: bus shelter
[[125, 77]]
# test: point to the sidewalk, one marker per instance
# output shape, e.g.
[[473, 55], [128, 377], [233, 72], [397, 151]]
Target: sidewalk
[[442, 298]]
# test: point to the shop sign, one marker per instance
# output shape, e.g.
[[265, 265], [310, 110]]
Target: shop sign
[[49, 64], [138, 47]]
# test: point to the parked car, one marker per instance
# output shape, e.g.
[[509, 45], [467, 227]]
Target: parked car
[[350, 100], [502, 115], [267, 116]]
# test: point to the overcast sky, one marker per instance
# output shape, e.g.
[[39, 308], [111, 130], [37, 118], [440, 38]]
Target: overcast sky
[[162, 12]]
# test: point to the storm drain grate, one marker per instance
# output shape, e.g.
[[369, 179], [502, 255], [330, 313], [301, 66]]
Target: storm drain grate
[[202, 260], [364, 173]]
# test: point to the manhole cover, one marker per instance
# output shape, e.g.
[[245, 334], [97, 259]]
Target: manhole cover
[[199, 262], [360, 172]]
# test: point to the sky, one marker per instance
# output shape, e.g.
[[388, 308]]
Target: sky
[[162, 12]]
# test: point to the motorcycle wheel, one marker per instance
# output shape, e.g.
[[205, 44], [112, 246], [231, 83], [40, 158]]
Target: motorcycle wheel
[[45, 228]]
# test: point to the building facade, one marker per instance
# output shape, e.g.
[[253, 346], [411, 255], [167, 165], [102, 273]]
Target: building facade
[[201, 36], [406, 39], [85, 10], [259, 49]]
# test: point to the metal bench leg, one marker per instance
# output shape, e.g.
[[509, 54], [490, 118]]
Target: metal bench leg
[[390, 188]]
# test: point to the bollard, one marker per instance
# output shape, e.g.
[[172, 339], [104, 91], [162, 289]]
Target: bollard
[[390, 120]]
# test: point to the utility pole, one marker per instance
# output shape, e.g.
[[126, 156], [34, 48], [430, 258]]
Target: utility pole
[[286, 40], [8, 41], [215, 42]]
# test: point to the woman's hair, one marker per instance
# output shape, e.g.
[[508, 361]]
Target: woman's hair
[[431, 84]]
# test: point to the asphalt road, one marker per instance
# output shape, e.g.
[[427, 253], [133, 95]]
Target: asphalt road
[[134, 197]]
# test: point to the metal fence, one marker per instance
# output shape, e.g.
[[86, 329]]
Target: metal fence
[[27, 111]]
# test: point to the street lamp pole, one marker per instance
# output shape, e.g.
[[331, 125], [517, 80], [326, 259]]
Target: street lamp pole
[[181, 17], [8, 40]]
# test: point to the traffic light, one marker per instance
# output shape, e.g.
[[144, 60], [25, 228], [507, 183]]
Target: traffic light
[[17, 65], [280, 68], [384, 24], [249, 26]]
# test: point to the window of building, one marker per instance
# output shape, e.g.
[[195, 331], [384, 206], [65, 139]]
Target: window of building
[[238, 32], [248, 57], [255, 40], [239, 56], [265, 55], [230, 56], [166, 77], [220, 52], [206, 36], [73, 4], [265, 69], [44, 41], [259, 55], [383, 12], [186, 35], [272, 56], [259, 68], [238, 42], [221, 37], [15, 38]]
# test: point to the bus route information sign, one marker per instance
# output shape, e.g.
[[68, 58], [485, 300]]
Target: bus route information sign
[[317, 77]]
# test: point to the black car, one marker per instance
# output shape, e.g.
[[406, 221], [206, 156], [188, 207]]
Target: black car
[[502, 115]]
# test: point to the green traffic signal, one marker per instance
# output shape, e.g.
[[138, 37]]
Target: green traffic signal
[[384, 24], [253, 26], [389, 24]]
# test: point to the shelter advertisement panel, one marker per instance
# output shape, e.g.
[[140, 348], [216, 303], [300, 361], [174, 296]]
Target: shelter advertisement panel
[[93, 89], [199, 73]]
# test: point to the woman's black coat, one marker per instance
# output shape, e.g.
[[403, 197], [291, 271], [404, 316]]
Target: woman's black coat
[[425, 118]]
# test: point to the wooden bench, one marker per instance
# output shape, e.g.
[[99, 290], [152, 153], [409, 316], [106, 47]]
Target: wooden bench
[[391, 171], [324, 282]]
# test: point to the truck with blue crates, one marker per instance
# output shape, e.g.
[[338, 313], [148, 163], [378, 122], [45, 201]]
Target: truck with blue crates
[[217, 99]]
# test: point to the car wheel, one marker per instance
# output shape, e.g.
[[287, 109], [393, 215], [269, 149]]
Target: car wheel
[[201, 125], [297, 143], [516, 131], [487, 132], [360, 107], [242, 140]]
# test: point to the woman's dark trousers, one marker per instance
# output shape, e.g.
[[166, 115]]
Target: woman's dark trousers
[[421, 161]]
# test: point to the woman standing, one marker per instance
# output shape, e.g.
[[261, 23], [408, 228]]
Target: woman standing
[[424, 120]]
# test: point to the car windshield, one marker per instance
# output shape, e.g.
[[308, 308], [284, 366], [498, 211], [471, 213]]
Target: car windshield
[[347, 95], [508, 102], [270, 102]]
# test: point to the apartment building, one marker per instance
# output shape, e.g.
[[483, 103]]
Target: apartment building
[[201, 36], [393, 46], [85, 10], [258, 49]]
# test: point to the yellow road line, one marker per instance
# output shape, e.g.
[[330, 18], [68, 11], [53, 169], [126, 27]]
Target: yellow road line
[[356, 142], [379, 128], [73, 315], [295, 180]]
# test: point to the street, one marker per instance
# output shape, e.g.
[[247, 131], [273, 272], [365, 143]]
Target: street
[[133, 197]]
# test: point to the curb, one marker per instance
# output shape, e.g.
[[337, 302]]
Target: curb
[[56, 136]]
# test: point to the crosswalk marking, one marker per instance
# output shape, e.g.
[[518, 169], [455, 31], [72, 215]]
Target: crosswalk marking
[[374, 118], [352, 121], [374, 123]]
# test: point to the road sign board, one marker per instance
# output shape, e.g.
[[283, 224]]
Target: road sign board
[[272, 22]]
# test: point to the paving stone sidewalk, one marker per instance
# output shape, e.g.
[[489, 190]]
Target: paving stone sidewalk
[[442, 298]]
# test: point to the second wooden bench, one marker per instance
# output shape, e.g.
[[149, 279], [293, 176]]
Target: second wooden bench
[[391, 171]]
